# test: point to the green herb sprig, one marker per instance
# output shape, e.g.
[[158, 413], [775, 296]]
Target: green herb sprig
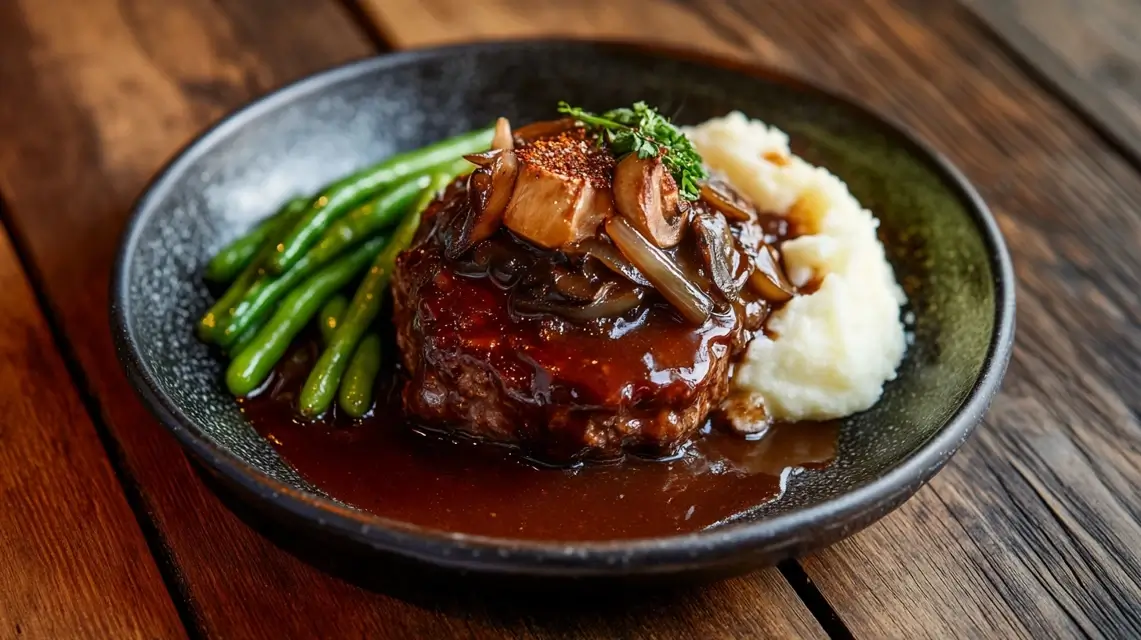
[[646, 132]]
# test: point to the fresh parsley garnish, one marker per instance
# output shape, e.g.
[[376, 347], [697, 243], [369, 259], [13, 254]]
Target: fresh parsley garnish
[[646, 132]]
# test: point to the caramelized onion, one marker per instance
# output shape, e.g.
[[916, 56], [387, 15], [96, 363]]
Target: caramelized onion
[[543, 129], [610, 256], [503, 174], [647, 195], [489, 191], [692, 267], [502, 138], [612, 300], [667, 278], [616, 298], [574, 286], [728, 205], [768, 277], [484, 158], [594, 269], [715, 242]]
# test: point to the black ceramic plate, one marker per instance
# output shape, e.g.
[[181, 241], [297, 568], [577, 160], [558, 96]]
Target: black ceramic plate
[[943, 243]]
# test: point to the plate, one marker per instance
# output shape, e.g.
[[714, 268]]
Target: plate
[[943, 243]]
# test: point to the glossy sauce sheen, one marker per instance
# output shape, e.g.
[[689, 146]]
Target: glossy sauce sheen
[[395, 470], [491, 352], [557, 386], [559, 383], [551, 363]]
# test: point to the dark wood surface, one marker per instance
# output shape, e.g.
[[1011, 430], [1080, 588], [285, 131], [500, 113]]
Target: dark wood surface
[[1004, 541], [72, 558], [1033, 530], [1088, 50], [125, 95]]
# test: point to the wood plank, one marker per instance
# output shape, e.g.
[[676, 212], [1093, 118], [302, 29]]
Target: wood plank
[[1032, 531], [413, 24], [1088, 49], [73, 561], [108, 90]]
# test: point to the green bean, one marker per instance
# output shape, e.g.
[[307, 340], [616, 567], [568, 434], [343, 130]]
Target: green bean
[[212, 325], [236, 256], [369, 218], [257, 302], [243, 341], [383, 212], [331, 314], [360, 377], [321, 386], [339, 198], [251, 367]]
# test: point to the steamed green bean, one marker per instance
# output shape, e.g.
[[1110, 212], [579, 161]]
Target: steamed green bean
[[251, 367], [236, 256], [355, 397], [342, 196], [321, 386], [331, 315]]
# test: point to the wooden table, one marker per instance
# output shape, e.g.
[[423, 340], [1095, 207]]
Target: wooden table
[[1033, 530]]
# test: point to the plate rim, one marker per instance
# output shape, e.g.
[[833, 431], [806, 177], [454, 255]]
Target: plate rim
[[774, 536]]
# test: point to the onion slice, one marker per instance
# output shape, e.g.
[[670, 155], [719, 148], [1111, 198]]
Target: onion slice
[[489, 191], [484, 158], [502, 138], [768, 278], [725, 203], [693, 303], [612, 300], [574, 286], [611, 257]]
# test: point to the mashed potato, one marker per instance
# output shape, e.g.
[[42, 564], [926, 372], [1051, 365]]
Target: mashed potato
[[832, 350]]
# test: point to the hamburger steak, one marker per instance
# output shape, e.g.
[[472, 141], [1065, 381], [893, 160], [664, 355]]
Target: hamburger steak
[[534, 331], [559, 389]]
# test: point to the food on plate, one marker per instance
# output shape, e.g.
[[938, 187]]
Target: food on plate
[[824, 355], [581, 288]]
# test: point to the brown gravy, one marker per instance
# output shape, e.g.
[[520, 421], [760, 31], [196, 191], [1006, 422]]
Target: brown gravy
[[395, 470]]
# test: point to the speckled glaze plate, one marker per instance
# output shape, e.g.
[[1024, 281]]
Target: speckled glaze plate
[[941, 239]]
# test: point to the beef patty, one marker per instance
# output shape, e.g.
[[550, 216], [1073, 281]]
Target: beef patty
[[642, 382]]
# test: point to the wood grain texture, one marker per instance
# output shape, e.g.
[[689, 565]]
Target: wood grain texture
[[73, 562], [108, 90], [1088, 48], [1033, 529]]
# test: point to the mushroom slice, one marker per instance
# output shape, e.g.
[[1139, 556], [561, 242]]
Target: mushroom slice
[[502, 138], [768, 278], [489, 191], [646, 194], [721, 199], [715, 242]]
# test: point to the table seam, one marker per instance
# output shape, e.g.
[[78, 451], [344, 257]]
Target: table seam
[[151, 534]]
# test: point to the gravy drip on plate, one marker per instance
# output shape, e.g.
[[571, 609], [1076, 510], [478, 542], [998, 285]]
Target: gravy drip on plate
[[394, 469], [393, 466]]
